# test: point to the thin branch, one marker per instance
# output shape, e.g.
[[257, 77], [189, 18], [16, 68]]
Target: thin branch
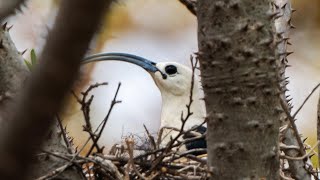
[[179, 143], [85, 108], [293, 125], [153, 143], [313, 90], [318, 129], [283, 147], [197, 159], [58, 155], [64, 134], [104, 122], [130, 144], [54, 172], [304, 156], [283, 176], [76, 96], [71, 160], [186, 153]]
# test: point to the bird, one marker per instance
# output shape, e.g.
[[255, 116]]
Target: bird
[[174, 81]]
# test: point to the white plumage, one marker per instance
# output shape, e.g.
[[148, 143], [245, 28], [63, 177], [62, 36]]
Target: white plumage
[[175, 92]]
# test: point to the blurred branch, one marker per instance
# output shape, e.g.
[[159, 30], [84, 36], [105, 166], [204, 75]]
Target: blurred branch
[[318, 130], [7, 7], [190, 5], [43, 97]]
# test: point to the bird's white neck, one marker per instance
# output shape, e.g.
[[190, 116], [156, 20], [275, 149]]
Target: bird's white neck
[[174, 105]]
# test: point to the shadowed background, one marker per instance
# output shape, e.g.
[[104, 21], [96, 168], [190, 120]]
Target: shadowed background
[[161, 31]]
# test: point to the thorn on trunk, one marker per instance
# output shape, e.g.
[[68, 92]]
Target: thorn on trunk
[[4, 26], [8, 29], [24, 51], [1, 44]]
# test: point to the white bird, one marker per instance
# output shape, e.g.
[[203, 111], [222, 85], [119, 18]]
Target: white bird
[[174, 82]]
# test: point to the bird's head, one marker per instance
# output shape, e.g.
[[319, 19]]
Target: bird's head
[[177, 79]]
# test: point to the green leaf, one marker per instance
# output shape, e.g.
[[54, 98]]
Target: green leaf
[[33, 57], [29, 65]]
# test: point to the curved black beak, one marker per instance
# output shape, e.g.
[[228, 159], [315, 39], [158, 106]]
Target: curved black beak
[[130, 58]]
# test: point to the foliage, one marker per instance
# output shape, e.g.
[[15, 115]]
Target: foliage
[[33, 60]]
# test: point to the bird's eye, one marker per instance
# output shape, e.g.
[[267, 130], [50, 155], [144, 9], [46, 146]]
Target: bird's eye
[[171, 69]]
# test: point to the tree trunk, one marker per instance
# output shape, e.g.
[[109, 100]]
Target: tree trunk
[[12, 72], [241, 78], [283, 26]]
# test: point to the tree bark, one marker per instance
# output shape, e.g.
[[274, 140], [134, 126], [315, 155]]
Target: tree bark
[[12, 73], [241, 78], [283, 25]]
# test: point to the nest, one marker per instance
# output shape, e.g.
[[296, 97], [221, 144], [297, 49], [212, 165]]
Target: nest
[[127, 161]]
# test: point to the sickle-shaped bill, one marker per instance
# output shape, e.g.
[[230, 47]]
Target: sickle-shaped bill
[[130, 58]]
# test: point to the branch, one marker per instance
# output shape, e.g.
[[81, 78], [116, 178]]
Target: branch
[[85, 108], [104, 122], [190, 5], [151, 139], [54, 173], [8, 7], [42, 98], [318, 130], [293, 125], [307, 155], [130, 145], [304, 102], [64, 135], [283, 25]]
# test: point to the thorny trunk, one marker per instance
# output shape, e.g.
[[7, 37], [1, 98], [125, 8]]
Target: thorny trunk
[[12, 72], [241, 77], [283, 25]]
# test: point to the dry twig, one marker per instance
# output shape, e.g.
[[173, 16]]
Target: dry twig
[[85, 108], [304, 156], [104, 122], [301, 106]]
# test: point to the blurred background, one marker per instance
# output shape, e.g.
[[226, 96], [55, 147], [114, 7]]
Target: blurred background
[[160, 31]]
